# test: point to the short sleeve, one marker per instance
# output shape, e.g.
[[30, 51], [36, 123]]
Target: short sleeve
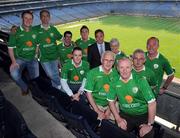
[[12, 41], [167, 67], [111, 96], [89, 85], [146, 90], [58, 34], [64, 73]]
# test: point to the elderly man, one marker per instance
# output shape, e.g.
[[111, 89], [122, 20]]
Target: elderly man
[[159, 64], [98, 84], [115, 45], [139, 59], [136, 101]]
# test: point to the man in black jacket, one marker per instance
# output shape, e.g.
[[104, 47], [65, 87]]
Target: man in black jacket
[[95, 50]]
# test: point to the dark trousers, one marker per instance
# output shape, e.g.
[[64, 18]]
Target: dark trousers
[[133, 123]]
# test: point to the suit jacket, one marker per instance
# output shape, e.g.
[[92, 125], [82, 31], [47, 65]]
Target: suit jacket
[[94, 57]]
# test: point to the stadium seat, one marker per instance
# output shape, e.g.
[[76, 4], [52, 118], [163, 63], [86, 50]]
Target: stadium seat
[[109, 129], [12, 123], [76, 123]]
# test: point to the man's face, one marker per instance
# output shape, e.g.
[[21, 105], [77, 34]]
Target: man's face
[[152, 47], [67, 39], [138, 60], [107, 62], [99, 38], [45, 18], [84, 34], [77, 56], [125, 67], [27, 20], [115, 48]]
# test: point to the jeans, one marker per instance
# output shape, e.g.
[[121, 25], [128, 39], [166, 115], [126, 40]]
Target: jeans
[[33, 70], [51, 69]]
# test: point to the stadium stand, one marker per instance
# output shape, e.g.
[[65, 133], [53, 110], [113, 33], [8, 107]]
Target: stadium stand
[[72, 10], [67, 11]]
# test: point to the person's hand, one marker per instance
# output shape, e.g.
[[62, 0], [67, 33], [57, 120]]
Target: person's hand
[[76, 96], [162, 90], [144, 129], [13, 66], [101, 114], [107, 113], [122, 123]]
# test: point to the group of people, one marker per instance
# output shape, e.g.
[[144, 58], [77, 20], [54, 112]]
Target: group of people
[[115, 86]]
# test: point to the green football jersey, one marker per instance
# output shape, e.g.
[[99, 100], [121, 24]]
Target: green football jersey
[[159, 65], [74, 75], [150, 77], [133, 96], [118, 57], [24, 43], [84, 45], [98, 83], [47, 40], [65, 52]]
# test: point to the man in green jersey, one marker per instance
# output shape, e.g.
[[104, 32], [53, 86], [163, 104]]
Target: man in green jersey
[[66, 48], [136, 101], [73, 75], [115, 45], [139, 59], [84, 41], [159, 64], [98, 84], [48, 49], [21, 48]]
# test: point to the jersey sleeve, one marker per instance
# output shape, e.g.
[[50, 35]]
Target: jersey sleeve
[[146, 90], [64, 73], [111, 96], [58, 34], [89, 85], [167, 67], [12, 41]]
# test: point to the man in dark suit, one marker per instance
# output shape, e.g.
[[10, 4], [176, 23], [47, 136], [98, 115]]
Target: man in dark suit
[[95, 50]]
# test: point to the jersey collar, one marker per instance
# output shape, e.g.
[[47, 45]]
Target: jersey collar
[[130, 78], [44, 27], [143, 69], [157, 56], [119, 53], [101, 69], [22, 29], [68, 46], [74, 63], [87, 39]]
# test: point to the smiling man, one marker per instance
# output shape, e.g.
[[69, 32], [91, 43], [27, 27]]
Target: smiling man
[[21, 47], [136, 101], [48, 49], [98, 85], [158, 64]]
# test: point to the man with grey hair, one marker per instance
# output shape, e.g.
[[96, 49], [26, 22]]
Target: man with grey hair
[[136, 101], [139, 68], [115, 45], [98, 84]]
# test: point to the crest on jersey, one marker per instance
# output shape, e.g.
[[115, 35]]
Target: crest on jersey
[[156, 66], [82, 72], [51, 34], [33, 36], [135, 89]]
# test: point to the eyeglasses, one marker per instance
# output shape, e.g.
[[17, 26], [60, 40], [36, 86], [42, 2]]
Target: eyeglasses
[[107, 60]]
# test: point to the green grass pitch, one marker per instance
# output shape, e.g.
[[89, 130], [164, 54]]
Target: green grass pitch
[[133, 31]]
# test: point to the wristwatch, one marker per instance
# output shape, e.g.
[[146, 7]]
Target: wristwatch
[[150, 124]]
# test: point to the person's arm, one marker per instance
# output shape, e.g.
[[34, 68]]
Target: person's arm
[[120, 121], [13, 60], [94, 106], [146, 128], [166, 84], [66, 88]]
